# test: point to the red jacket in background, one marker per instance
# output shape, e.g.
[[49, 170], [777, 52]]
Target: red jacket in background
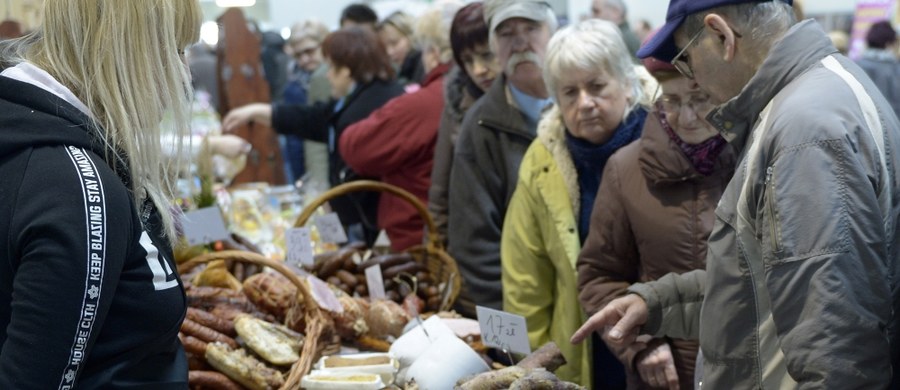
[[396, 144]]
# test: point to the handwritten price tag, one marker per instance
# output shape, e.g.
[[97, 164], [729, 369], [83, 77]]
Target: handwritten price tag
[[502, 330], [330, 229], [323, 295], [299, 246], [375, 282], [204, 226]]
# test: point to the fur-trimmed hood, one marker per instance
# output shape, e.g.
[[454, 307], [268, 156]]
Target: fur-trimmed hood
[[457, 98], [551, 133]]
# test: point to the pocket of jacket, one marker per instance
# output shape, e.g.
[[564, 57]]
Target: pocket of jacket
[[771, 216]]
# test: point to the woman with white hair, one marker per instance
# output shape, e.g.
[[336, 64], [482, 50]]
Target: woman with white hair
[[90, 296], [601, 105]]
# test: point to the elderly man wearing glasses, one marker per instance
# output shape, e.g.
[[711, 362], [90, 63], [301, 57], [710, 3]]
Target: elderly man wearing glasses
[[802, 280]]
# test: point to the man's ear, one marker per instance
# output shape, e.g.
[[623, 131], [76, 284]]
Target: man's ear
[[720, 29]]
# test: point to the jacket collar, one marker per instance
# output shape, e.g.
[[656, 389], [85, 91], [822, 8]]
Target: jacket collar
[[803, 46], [500, 113], [436, 74], [662, 161]]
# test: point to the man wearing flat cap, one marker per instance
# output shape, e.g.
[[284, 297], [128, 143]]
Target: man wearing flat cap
[[494, 135], [802, 283]]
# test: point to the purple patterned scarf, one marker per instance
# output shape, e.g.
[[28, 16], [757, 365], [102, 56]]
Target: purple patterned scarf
[[703, 155]]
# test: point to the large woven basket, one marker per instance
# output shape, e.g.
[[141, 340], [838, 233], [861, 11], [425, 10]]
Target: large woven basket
[[317, 319], [432, 254]]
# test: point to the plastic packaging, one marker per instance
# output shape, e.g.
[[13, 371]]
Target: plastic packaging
[[381, 364], [318, 380]]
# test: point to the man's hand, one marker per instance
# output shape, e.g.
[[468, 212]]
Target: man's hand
[[656, 367], [257, 112], [625, 315]]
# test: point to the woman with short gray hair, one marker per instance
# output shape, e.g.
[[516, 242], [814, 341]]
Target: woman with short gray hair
[[600, 107]]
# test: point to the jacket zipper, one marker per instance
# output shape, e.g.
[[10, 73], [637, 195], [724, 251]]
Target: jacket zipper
[[695, 233], [770, 206]]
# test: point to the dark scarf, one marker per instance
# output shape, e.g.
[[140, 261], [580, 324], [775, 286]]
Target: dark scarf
[[703, 155], [590, 159]]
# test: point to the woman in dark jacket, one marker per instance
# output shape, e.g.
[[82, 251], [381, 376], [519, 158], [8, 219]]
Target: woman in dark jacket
[[362, 80], [90, 297], [475, 71]]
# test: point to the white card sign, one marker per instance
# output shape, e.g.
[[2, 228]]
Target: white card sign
[[330, 229], [507, 332], [375, 282], [299, 246], [382, 241], [204, 226], [323, 295]]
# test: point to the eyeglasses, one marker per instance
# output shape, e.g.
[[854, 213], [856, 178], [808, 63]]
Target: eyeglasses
[[698, 103], [680, 62]]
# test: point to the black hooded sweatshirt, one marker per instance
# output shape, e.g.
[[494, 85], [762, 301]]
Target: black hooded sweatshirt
[[89, 298]]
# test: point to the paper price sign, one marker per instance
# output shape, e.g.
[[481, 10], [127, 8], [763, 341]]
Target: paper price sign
[[299, 246], [204, 226], [323, 295], [330, 229], [375, 282], [507, 332]]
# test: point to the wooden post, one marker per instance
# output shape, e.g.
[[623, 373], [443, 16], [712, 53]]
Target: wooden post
[[241, 82]]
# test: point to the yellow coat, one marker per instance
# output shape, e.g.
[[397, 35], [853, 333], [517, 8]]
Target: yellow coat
[[540, 246]]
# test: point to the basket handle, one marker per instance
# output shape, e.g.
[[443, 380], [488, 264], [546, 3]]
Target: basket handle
[[372, 185]]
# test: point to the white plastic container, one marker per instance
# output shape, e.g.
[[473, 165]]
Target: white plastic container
[[445, 361], [318, 380], [381, 364], [415, 341]]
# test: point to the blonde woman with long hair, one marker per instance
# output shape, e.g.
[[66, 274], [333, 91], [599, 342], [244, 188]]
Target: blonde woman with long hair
[[89, 297]]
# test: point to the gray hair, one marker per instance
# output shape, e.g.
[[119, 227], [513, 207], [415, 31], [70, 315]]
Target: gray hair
[[311, 29], [587, 46], [760, 22]]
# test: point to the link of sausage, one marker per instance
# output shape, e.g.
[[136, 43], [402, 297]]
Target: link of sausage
[[211, 380], [206, 334], [192, 345], [212, 321]]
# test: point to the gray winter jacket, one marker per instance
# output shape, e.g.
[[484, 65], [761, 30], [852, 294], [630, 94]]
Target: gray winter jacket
[[801, 286], [491, 143]]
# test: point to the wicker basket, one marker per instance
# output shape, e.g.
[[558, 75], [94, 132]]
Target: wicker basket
[[317, 319], [432, 254]]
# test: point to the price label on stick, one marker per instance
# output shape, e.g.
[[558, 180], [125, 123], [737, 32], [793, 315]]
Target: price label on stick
[[330, 229], [323, 295], [375, 282], [299, 246], [499, 329], [204, 226]]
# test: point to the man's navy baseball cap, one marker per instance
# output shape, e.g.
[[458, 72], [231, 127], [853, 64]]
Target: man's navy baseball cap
[[662, 46]]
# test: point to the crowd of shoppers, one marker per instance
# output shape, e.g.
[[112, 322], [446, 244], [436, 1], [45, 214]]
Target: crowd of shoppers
[[725, 211]]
